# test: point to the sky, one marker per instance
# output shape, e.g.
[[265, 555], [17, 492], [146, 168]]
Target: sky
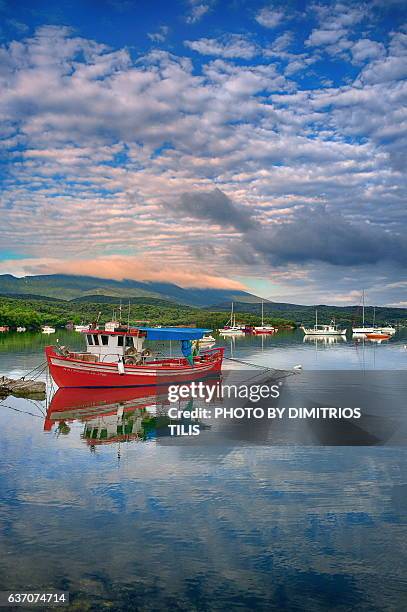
[[232, 143]]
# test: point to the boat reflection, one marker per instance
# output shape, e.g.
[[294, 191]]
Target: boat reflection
[[324, 339], [112, 415]]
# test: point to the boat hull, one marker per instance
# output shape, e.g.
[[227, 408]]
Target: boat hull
[[70, 372], [378, 336]]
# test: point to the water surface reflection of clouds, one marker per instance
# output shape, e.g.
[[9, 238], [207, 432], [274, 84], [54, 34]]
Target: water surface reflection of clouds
[[241, 523]]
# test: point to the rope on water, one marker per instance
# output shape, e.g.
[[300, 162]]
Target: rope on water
[[281, 373], [38, 416]]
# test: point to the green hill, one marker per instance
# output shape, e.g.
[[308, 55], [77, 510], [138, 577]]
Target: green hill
[[68, 287]]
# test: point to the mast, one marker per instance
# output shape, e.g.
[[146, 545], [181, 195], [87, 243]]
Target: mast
[[363, 308], [262, 313], [232, 324], [316, 318]]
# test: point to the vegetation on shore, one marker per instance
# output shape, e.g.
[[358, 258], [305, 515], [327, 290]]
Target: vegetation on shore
[[34, 312]]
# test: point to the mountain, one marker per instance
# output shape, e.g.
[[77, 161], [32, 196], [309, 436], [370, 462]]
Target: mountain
[[306, 314], [70, 287], [87, 289]]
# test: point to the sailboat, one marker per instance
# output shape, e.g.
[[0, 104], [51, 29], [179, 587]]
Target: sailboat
[[373, 329], [323, 330], [263, 329], [231, 329]]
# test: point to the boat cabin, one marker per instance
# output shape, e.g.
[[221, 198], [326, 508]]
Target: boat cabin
[[112, 346]]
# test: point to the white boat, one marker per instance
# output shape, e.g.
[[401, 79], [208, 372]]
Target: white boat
[[263, 329], [387, 329], [81, 328], [231, 329], [21, 329], [322, 329], [47, 329], [364, 330], [371, 329], [208, 339]]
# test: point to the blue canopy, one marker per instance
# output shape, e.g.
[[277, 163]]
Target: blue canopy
[[174, 333]]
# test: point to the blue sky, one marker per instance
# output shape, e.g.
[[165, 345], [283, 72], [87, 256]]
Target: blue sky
[[243, 144]]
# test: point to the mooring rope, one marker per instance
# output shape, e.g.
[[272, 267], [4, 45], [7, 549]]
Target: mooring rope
[[41, 366], [256, 365], [38, 416], [22, 382]]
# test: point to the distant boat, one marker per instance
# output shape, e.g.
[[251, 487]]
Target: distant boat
[[81, 328], [208, 339], [322, 329], [21, 329], [365, 329], [263, 329], [388, 329], [4, 328], [47, 329], [231, 329]]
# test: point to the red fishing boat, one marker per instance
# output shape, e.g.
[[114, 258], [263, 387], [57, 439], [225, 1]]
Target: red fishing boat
[[117, 359]]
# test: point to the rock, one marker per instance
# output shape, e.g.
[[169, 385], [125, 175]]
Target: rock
[[22, 388]]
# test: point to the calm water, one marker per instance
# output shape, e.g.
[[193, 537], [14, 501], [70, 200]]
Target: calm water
[[265, 519]]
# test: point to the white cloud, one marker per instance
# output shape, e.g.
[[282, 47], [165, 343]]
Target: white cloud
[[230, 46], [160, 35], [324, 37], [117, 140], [339, 15], [270, 17], [197, 10], [282, 42], [390, 68], [366, 49]]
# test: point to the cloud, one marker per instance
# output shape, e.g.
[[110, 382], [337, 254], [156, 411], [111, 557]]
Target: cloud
[[309, 234], [336, 22], [122, 268], [229, 46], [217, 208], [197, 10], [366, 49], [270, 17], [124, 147], [339, 15], [282, 42], [318, 234], [390, 68], [160, 35], [324, 37]]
